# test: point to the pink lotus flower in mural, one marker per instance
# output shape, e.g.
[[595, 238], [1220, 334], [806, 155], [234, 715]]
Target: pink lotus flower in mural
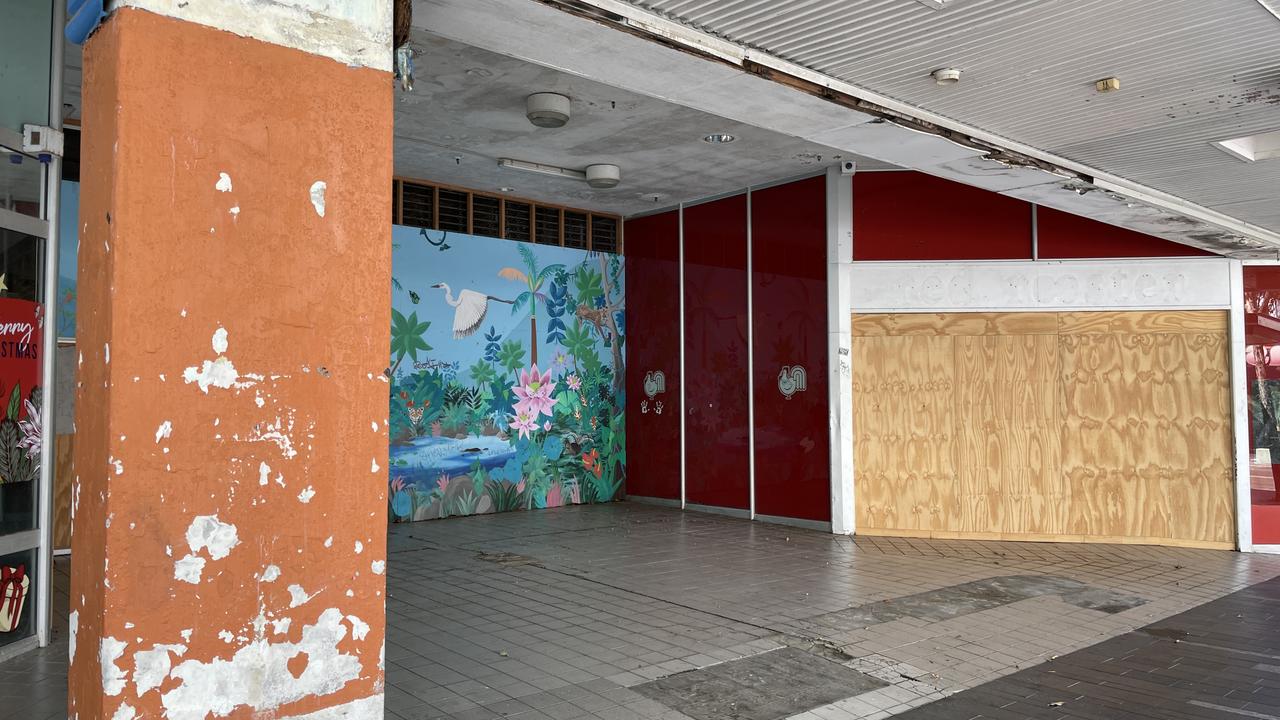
[[575, 383], [520, 486], [524, 422], [534, 392], [443, 482], [547, 426], [397, 484]]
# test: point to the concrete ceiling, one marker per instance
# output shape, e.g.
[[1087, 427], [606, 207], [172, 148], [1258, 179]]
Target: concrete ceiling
[[467, 109]]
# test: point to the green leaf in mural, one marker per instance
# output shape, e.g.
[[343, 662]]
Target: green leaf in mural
[[406, 335], [511, 355], [15, 402], [588, 284], [578, 341], [482, 373]]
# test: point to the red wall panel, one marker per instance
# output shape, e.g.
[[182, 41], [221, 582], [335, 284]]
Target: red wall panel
[[715, 297], [653, 343], [789, 300], [913, 216], [1063, 235]]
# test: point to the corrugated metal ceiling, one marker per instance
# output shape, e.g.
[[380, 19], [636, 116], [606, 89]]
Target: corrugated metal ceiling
[[1191, 71]]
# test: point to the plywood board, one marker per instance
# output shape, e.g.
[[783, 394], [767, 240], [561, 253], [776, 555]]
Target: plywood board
[[63, 479], [1027, 323], [1110, 427]]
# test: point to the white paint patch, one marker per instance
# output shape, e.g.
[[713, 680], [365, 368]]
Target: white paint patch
[[359, 628], [224, 183], [306, 495], [270, 573], [264, 473], [257, 399], [258, 676], [73, 627], [207, 531], [359, 547], [219, 373], [226, 636], [119, 466], [298, 596], [186, 634], [317, 196], [235, 210], [164, 431], [374, 426], [109, 651], [106, 353], [188, 569], [281, 626], [328, 542], [378, 566], [220, 341], [374, 466], [150, 667], [125, 712]]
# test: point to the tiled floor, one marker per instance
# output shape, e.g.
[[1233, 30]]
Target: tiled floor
[[564, 613]]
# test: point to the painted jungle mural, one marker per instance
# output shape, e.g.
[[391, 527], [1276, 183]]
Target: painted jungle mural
[[506, 376]]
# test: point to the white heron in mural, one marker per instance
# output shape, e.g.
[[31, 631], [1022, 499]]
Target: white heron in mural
[[469, 309]]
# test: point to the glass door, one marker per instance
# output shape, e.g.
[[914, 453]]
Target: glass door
[[30, 94]]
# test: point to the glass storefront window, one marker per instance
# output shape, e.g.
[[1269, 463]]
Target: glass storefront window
[[17, 596], [1262, 358]]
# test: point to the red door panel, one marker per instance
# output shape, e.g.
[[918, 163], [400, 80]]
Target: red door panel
[[653, 345], [715, 316], [789, 301]]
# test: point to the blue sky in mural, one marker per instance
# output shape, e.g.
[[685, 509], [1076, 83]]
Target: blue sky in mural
[[471, 263]]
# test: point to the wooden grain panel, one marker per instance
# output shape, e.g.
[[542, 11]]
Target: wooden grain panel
[[1028, 323], [1008, 454], [63, 478], [1162, 321], [1116, 430], [903, 429]]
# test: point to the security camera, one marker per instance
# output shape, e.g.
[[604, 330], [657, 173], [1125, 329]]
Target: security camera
[[848, 167]]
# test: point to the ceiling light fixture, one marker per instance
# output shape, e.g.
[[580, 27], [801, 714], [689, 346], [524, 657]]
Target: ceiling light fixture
[[946, 76], [1252, 148], [718, 138], [600, 175], [547, 109]]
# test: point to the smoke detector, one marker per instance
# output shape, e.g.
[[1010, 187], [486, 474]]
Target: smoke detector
[[603, 176], [547, 109]]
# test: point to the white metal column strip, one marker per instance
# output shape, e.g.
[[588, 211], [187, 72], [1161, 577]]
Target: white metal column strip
[[683, 380], [1240, 410], [839, 342], [751, 370]]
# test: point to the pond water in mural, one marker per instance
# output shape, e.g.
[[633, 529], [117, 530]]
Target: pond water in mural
[[506, 376]]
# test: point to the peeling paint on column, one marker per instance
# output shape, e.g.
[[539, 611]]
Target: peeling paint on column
[[224, 183], [317, 196], [113, 677]]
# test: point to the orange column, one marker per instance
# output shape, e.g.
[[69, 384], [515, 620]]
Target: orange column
[[230, 508]]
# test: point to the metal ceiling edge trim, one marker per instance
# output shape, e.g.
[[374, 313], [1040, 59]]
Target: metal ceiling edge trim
[[670, 31]]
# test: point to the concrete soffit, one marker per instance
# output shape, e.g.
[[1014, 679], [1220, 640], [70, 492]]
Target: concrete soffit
[[581, 37], [353, 33]]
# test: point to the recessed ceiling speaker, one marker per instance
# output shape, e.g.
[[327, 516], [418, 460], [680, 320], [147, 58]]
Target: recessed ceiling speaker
[[603, 176], [547, 110]]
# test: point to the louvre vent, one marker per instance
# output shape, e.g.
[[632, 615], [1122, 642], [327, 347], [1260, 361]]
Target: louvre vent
[[547, 226], [417, 205], [453, 210], [575, 230], [458, 210], [517, 217], [604, 234], [486, 216]]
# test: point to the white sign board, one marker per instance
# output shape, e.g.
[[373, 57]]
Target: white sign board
[[1041, 285]]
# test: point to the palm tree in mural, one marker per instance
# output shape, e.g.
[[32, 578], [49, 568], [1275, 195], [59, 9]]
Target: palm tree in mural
[[406, 337], [533, 278]]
